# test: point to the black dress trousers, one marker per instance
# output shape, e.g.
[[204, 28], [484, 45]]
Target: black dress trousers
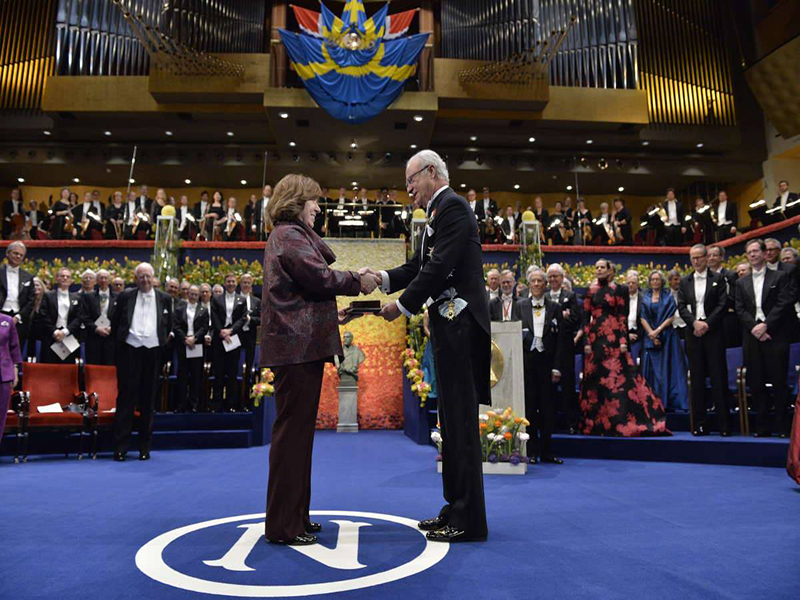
[[297, 390], [462, 468]]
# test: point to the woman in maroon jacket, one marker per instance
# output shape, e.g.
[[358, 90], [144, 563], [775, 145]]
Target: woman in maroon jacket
[[299, 334]]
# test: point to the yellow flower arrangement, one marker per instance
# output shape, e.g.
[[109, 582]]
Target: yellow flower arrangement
[[263, 388]]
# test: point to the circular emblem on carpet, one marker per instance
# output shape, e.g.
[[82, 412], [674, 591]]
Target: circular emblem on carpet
[[229, 557]]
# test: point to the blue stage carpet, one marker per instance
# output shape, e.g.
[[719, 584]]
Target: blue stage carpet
[[588, 529]]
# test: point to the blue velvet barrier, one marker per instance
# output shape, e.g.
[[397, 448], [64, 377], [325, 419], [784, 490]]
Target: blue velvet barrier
[[416, 419], [263, 419]]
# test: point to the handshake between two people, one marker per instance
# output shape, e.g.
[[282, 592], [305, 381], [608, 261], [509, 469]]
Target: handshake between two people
[[370, 280]]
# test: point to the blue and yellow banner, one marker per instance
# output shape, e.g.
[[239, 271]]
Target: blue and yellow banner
[[348, 65]]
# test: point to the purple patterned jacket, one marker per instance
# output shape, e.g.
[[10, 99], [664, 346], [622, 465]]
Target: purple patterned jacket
[[9, 348], [299, 321]]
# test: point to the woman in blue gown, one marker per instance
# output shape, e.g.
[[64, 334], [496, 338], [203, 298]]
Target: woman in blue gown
[[664, 361]]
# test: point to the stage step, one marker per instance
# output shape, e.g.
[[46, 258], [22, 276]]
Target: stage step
[[680, 447], [202, 421]]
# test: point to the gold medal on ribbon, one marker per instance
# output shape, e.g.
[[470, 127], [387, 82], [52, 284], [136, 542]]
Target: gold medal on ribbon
[[451, 311]]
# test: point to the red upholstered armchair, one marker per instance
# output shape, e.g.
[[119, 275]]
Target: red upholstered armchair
[[100, 383], [44, 384]]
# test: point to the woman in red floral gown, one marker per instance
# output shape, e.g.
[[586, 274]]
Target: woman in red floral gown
[[615, 398]]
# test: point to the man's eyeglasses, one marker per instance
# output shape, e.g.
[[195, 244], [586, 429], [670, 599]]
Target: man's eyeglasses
[[410, 180]]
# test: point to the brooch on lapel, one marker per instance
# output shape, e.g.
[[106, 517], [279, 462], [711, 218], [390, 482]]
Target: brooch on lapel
[[714, 284]]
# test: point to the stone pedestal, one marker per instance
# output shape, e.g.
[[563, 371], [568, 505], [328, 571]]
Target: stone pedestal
[[348, 408], [508, 368]]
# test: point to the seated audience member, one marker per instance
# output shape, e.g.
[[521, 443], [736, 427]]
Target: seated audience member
[[502, 307], [492, 284], [764, 303]]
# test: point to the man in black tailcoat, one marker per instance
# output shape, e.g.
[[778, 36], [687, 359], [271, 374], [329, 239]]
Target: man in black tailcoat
[[764, 305], [140, 323], [17, 294], [96, 309], [702, 303], [543, 349], [446, 273], [570, 322]]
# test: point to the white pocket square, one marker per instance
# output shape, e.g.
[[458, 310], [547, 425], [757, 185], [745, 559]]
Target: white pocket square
[[26, 283]]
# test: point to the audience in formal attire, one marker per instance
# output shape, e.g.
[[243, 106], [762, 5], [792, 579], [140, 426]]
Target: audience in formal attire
[[191, 322], [59, 320], [501, 308], [571, 320], [663, 361], [615, 398], [228, 317], [141, 323], [764, 305], [96, 308], [492, 284], [16, 290], [702, 302], [542, 347]]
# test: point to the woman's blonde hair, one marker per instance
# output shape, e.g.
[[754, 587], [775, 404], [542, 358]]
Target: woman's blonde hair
[[290, 196]]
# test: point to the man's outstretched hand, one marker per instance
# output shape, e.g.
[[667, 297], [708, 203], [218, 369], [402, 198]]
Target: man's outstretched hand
[[390, 312]]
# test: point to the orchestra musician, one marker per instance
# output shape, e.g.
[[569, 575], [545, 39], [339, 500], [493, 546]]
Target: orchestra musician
[[621, 220], [725, 216], [231, 225]]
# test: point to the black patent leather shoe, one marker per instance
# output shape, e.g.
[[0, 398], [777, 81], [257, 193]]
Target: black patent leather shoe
[[452, 535], [432, 524], [314, 528], [144, 456], [700, 431], [119, 457], [553, 460], [783, 435], [762, 434], [725, 433], [304, 539]]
